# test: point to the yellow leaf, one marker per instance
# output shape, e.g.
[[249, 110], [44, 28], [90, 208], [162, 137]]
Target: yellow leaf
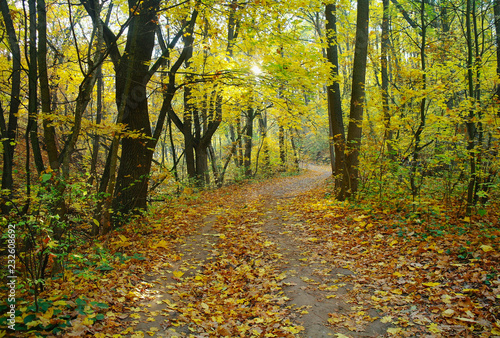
[[431, 284], [137, 334], [470, 290], [128, 330], [178, 274], [161, 244], [386, 319], [487, 248], [135, 316], [331, 296], [393, 243], [394, 330], [222, 236], [59, 302], [49, 313], [295, 329], [87, 322], [123, 238], [33, 324], [397, 291], [433, 328], [495, 332]]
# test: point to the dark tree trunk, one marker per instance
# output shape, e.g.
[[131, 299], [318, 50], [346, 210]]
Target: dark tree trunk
[[265, 146], [240, 136], [384, 48], [48, 129], [294, 149], [471, 127], [8, 130], [132, 76], [357, 100], [497, 31], [247, 158], [422, 116], [32, 127], [281, 143], [335, 118], [202, 173]]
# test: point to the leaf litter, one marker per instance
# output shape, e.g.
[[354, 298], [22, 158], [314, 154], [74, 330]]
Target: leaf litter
[[279, 258]]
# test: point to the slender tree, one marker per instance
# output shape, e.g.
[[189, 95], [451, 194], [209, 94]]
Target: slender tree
[[8, 129], [336, 122], [354, 134]]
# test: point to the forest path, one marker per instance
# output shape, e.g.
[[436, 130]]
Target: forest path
[[251, 270]]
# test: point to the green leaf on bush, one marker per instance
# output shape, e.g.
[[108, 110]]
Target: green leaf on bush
[[46, 177]]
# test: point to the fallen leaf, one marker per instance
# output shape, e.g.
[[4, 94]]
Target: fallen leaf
[[448, 313], [433, 328]]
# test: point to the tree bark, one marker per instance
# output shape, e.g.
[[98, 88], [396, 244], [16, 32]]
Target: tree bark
[[48, 129], [497, 38], [247, 157], [281, 143], [8, 130], [132, 76], [335, 118], [350, 184], [422, 116], [32, 127], [471, 127], [384, 49]]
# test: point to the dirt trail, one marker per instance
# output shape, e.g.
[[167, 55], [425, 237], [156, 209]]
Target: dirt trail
[[312, 285]]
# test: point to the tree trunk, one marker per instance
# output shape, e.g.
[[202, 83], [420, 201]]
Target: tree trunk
[[335, 118], [497, 37], [471, 127], [32, 127], [202, 173], [265, 147], [132, 76], [384, 48], [247, 158], [417, 148], [281, 143], [8, 130], [350, 183], [48, 129]]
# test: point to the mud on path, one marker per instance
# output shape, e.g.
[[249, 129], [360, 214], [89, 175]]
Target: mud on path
[[308, 289]]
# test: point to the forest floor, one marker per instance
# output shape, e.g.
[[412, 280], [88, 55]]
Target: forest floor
[[252, 269], [282, 258]]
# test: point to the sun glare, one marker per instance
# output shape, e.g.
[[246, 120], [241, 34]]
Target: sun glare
[[256, 70]]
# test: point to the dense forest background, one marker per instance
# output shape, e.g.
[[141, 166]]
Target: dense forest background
[[128, 103]]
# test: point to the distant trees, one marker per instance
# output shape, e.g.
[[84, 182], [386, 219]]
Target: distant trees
[[402, 92]]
